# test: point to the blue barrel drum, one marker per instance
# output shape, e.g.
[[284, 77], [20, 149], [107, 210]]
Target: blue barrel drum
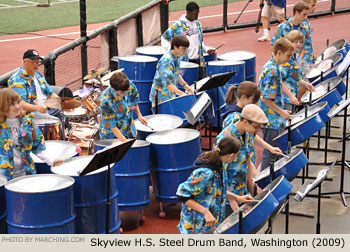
[[140, 70], [56, 149], [90, 197], [189, 72], [3, 181], [339, 46], [172, 155], [132, 174], [210, 57], [248, 57], [40, 204], [153, 51]]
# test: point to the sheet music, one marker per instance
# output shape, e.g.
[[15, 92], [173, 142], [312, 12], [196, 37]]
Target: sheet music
[[200, 104], [344, 65]]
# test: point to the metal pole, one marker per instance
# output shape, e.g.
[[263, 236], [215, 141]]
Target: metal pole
[[83, 33]]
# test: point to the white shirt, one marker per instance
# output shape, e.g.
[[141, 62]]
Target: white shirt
[[41, 97]]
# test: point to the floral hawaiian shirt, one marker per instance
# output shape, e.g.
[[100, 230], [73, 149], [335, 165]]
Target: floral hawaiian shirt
[[309, 56]]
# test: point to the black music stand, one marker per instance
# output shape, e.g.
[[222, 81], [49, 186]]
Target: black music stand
[[308, 186], [198, 108], [106, 157]]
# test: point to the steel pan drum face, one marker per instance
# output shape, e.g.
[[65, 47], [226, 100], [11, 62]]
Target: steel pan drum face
[[3, 181], [322, 108], [173, 136], [223, 66], [40, 204], [288, 167], [138, 67], [158, 122], [324, 66], [90, 196], [338, 46], [321, 91], [153, 51], [79, 114], [254, 215]]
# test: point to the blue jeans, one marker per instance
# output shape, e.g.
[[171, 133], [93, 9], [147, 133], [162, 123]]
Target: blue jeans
[[268, 136]]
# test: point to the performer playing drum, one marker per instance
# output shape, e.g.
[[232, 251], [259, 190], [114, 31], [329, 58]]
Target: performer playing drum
[[167, 74], [116, 118]]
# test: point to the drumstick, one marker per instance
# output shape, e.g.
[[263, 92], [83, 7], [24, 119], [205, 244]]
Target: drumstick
[[222, 44], [149, 126], [284, 155]]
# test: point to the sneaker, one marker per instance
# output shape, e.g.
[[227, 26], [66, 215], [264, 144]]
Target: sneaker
[[264, 38]]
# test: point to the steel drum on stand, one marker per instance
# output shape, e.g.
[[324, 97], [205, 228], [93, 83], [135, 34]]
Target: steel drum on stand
[[247, 57], [3, 181], [189, 72], [255, 215], [210, 57], [56, 149], [40, 204], [288, 167], [157, 123], [177, 106], [50, 127], [140, 70], [172, 155], [339, 46], [132, 174], [153, 51], [90, 194]]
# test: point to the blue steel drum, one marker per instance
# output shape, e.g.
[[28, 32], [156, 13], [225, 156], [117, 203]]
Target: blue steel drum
[[288, 167], [189, 72], [248, 57], [300, 131], [222, 103], [210, 57], [132, 174], [255, 215], [330, 90], [56, 149], [224, 66], [280, 188], [90, 194], [40, 204], [328, 68], [339, 46], [177, 106], [157, 123], [145, 108], [138, 67], [3, 181], [172, 155], [320, 108], [153, 51]]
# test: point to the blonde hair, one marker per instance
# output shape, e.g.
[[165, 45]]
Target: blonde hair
[[283, 45], [295, 35], [7, 97]]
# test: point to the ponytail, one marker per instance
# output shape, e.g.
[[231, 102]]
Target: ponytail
[[231, 95]]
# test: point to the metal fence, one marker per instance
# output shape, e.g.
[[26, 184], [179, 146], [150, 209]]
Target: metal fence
[[67, 65]]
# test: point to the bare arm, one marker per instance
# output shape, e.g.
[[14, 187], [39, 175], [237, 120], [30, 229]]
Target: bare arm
[[185, 85], [139, 115], [175, 90], [292, 98], [283, 113], [209, 218], [33, 108], [117, 133], [259, 141]]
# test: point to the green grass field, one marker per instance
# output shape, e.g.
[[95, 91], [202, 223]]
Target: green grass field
[[32, 18]]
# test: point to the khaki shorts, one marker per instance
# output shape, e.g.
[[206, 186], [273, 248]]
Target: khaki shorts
[[276, 11]]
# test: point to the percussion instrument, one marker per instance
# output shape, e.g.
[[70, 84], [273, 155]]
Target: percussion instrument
[[105, 78], [94, 73], [289, 167], [329, 68], [210, 57], [80, 93], [254, 216], [153, 51], [177, 106], [138, 67], [55, 149], [91, 102], [222, 103], [50, 127], [189, 72], [132, 174], [224, 66], [330, 90], [84, 136], [3, 181], [247, 57], [40, 204], [156, 123], [62, 103], [78, 115], [280, 187], [90, 194], [300, 131], [339, 46], [172, 155], [321, 108]]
